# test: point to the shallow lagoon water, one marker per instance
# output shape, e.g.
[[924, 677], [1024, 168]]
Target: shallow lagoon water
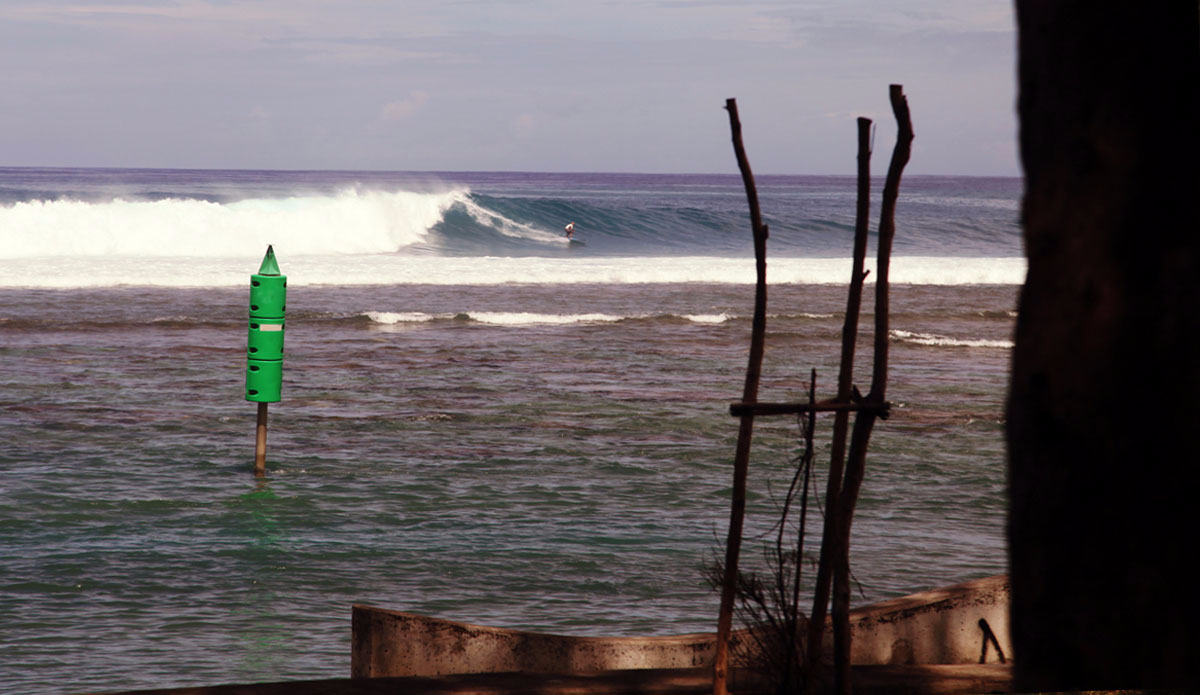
[[539, 455]]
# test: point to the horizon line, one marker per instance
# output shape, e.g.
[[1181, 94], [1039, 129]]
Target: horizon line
[[7, 167]]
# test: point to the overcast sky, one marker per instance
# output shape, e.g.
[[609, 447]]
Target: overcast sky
[[512, 85]]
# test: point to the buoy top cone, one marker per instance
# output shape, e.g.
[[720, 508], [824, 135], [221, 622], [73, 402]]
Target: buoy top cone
[[269, 265], [268, 289]]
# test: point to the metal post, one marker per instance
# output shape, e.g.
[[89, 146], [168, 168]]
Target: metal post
[[260, 442]]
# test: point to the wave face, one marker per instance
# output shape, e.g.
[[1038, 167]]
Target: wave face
[[208, 228]]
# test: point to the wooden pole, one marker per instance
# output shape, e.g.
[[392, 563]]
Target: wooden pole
[[794, 662], [260, 442], [865, 421], [837, 454], [741, 463], [887, 231]]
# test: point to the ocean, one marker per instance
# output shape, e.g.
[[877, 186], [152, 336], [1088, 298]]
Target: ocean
[[480, 421]]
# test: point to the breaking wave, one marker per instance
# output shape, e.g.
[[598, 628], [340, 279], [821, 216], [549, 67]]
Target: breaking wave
[[348, 222]]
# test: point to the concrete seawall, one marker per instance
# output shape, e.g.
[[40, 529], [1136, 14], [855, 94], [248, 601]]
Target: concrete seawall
[[942, 626]]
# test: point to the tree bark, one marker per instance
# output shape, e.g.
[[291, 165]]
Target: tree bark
[[1101, 438]]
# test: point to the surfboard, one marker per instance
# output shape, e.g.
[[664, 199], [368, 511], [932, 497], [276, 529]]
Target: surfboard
[[575, 242]]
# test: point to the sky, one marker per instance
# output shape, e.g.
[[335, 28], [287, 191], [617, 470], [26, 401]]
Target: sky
[[504, 85]]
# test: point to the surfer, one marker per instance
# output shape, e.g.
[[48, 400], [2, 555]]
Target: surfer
[[569, 229]]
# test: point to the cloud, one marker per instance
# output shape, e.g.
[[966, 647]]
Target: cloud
[[258, 114], [403, 108], [147, 20], [597, 84]]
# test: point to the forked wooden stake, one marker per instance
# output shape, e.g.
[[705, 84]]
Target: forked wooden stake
[[837, 455], [847, 464], [865, 421], [741, 459]]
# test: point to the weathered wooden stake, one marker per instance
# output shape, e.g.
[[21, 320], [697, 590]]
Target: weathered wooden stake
[[795, 639], [741, 462], [864, 422], [837, 454], [260, 441], [846, 468]]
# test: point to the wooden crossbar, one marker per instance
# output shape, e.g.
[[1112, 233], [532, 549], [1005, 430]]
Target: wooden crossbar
[[882, 409]]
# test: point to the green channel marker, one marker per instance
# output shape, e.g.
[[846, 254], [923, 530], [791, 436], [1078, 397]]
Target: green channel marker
[[264, 347], [264, 344]]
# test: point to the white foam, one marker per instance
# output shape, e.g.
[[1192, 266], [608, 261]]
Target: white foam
[[352, 221], [801, 315], [500, 318], [708, 318], [521, 318], [497, 318], [391, 318], [944, 341], [392, 268]]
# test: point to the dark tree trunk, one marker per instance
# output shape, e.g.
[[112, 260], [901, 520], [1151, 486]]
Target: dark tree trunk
[[1102, 425]]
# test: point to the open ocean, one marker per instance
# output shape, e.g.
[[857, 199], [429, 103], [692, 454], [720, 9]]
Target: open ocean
[[479, 420]]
